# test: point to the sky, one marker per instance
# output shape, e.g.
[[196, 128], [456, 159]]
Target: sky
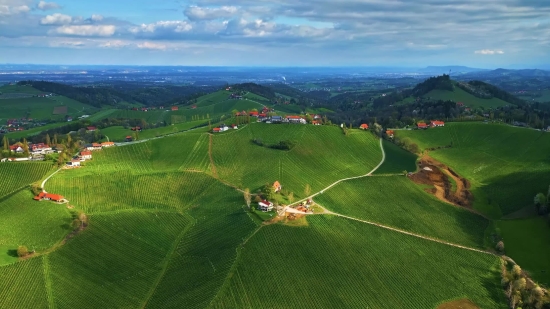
[[484, 34]]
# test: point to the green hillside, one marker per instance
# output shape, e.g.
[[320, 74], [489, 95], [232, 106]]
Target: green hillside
[[398, 202], [338, 263], [459, 95], [16, 175], [42, 108]]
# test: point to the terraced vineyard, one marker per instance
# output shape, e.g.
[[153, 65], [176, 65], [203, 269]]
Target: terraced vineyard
[[398, 202], [339, 263], [311, 161], [16, 175], [507, 166]]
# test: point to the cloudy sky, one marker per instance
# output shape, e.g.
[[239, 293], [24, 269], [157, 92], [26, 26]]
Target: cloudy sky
[[488, 33]]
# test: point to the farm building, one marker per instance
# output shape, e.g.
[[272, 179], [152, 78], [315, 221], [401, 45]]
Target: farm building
[[254, 114], [129, 138], [175, 108], [389, 133], [277, 186], [107, 144], [94, 146], [74, 162], [86, 155], [91, 129], [421, 125], [295, 119], [437, 123], [265, 205], [17, 148], [234, 127], [216, 130], [364, 126], [49, 197], [315, 123], [276, 119]]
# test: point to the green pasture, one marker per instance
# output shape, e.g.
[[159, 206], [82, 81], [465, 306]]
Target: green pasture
[[42, 108], [459, 95], [397, 160], [338, 263]]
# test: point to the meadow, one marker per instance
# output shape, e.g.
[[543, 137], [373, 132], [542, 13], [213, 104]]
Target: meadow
[[338, 263], [469, 100], [119, 133], [398, 202], [42, 108], [311, 161], [506, 165]]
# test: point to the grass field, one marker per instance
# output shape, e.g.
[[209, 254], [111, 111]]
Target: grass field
[[506, 166], [119, 133], [7, 89], [397, 160], [42, 108], [339, 263], [398, 202], [311, 161], [527, 241], [459, 95], [16, 175]]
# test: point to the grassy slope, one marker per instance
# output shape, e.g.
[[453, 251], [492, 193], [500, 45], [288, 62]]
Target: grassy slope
[[398, 202], [339, 263], [527, 241], [507, 166], [459, 95], [312, 161], [19, 89], [119, 133], [397, 160], [42, 108]]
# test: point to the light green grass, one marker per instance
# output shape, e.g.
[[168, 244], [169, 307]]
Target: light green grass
[[339, 263], [506, 166], [459, 95], [398, 202], [527, 241], [321, 156], [103, 114], [397, 160]]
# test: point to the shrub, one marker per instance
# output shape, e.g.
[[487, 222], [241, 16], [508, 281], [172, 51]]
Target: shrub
[[22, 251]]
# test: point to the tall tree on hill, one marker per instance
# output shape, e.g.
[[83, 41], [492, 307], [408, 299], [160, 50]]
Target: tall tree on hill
[[25, 147], [48, 141], [69, 141], [55, 141], [247, 197], [6, 143], [540, 203]]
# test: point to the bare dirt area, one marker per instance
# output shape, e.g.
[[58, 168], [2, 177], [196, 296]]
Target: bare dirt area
[[458, 304], [442, 178]]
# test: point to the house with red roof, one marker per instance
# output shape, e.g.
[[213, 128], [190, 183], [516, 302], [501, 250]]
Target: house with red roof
[[295, 119], [315, 123], [437, 123], [216, 130], [389, 133], [265, 205], [234, 127], [175, 108], [421, 125], [254, 114], [107, 144], [277, 186], [364, 126], [129, 138], [86, 155], [49, 197], [91, 129], [74, 163]]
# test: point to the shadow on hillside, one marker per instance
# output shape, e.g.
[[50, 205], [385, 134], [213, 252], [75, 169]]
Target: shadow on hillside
[[517, 190], [12, 253]]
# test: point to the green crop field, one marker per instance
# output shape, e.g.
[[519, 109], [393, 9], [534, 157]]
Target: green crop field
[[311, 161], [398, 202], [339, 263], [106, 113], [459, 95], [397, 160], [213, 98], [16, 175], [527, 241], [42, 108], [507, 166], [11, 89]]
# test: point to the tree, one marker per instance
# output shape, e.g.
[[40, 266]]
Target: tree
[[268, 191], [307, 190], [247, 197], [55, 139], [500, 246], [22, 251], [6, 143], [540, 203], [69, 141], [290, 197], [25, 147], [48, 141]]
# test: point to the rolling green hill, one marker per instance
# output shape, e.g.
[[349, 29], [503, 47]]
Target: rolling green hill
[[459, 95], [42, 108]]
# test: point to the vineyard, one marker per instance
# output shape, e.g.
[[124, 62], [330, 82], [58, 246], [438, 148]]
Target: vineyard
[[339, 263], [398, 202], [506, 166], [397, 160], [16, 175], [312, 161]]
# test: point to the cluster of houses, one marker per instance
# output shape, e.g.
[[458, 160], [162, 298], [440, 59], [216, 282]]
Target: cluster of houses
[[433, 124], [223, 128], [19, 124], [86, 153], [265, 205], [152, 108]]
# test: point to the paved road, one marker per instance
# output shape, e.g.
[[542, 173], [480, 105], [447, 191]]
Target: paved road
[[46, 180]]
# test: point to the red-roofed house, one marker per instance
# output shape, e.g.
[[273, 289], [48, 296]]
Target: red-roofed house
[[86, 155], [295, 119], [254, 114], [175, 108], [74, 162], [49, 197], [216, 130], [437, 123], [460, 104], [265, 205], [91, 129], [422, 125], [389, 133], [40, 196], [364, 126], [129, 138], [107, 144], [315, 123], [277, 186]]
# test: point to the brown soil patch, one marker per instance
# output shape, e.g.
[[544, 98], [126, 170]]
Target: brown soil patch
[[439, 176], [458, 304], [60, 110], [290, 219]]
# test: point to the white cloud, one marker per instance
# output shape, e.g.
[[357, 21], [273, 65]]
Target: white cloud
[[114, 44], [8, 8], [86, 30], [199, 13], [150, 45], [44, 6], [176, 26], [56, 19], [97, 17], [489, 52]]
